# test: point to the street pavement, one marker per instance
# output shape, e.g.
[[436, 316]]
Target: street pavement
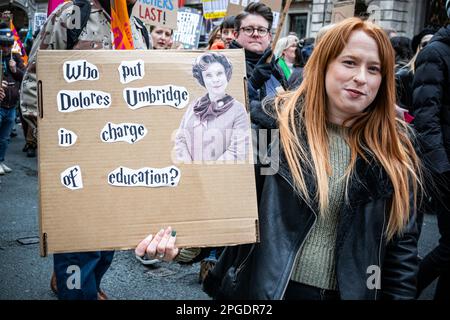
[[26, 275]]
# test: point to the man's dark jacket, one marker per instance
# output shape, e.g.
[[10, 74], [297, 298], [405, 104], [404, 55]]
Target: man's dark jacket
[[431, 101]]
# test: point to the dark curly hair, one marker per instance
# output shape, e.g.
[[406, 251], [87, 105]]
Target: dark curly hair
[[203, 61], [402, 48], [256, 8]]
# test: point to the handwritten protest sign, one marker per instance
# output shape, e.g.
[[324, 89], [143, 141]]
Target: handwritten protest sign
[[342, 10], [39, 20], [114, 130], [157, 12], [189, 23], [214, 9]]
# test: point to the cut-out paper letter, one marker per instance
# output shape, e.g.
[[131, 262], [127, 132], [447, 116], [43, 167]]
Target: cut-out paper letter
[[131, 70], [128, 132], [80, 70], [66, 138], [74, 100], [145, 177], [168, 95], [71, 178]]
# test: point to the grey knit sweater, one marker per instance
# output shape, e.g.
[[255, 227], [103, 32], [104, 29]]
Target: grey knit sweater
[[315, 264]]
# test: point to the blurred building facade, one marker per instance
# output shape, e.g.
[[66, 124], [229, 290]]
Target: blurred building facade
[[305, 17], [406, 17]]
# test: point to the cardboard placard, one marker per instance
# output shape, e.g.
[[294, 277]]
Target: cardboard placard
[[157, 13], [116, 181], [189, 23], [39, 20], [237, 6], [214, 9], [342, 10], [374, 13]]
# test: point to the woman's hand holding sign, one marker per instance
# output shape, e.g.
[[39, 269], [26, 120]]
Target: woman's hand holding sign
[[161, 246]]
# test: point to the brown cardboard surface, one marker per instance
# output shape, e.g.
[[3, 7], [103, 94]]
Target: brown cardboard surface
[[213, 205], [234, 9], [342, 10]]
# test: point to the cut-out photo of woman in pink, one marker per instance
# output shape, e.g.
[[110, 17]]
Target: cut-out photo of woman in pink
[[215, 126]]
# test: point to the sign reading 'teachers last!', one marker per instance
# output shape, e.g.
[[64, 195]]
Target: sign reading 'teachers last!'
[[130, 142], [157, 12]]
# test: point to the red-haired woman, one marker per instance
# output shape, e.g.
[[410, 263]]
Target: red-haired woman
[[337, 220]]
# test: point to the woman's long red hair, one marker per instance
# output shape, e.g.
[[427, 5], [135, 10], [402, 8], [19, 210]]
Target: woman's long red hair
[[375, 132]]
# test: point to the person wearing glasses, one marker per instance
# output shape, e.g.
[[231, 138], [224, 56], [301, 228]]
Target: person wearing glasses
[[252, 32]]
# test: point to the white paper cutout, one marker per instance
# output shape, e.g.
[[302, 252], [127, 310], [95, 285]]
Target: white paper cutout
[[145, 177], [127, 132], [75, 100], [80, 70], [131, 70], [168, 95], [276, 18], [71, 178], [66, 138]]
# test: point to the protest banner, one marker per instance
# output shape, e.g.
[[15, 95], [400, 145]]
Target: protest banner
[[189, 23], [120, 25], [157, 12], [236, 6], [342, 10], [214, 9], [39, 20], [113, 137]]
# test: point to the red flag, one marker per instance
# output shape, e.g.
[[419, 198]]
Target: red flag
[[18, 42], [120, 25]]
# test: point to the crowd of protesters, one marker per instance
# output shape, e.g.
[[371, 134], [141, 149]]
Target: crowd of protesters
[[364, 135]]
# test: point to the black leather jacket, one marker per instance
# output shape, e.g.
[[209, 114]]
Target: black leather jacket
[[263, 270]]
